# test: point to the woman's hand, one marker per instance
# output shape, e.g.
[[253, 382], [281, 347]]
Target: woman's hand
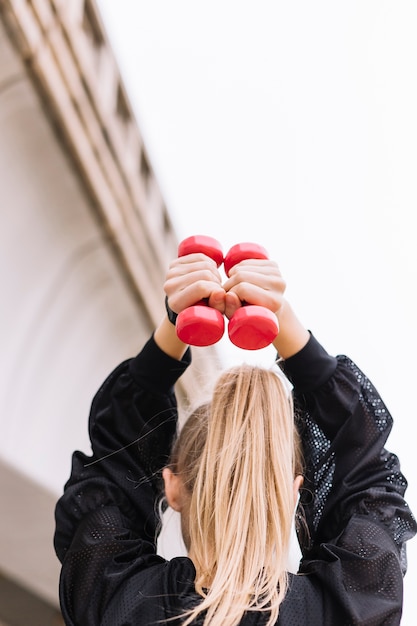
[[193, 278], [196, 277], [254, 281], [190, 279]]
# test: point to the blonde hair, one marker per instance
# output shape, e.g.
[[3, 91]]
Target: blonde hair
[[238, 456]]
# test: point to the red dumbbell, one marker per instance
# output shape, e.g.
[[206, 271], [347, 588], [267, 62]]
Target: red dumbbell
[[200, 325], [252, 327]]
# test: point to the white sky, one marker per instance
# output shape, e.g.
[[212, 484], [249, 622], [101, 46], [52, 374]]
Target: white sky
[[294, 125]]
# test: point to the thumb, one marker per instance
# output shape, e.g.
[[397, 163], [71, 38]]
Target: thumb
[[232, 304], [217, 300]]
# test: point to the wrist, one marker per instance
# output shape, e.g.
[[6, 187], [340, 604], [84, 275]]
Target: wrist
[[292, 336], [172, 316], [166, 338]]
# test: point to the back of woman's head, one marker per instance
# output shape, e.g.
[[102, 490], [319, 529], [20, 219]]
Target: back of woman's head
[[238, 456]]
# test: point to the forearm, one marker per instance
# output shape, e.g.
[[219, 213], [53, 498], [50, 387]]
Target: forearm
[[133, 421], [166, 339], [293, 336], [344, 427]]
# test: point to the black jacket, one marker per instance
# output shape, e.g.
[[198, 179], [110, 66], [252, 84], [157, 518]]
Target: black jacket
[[106, 521]]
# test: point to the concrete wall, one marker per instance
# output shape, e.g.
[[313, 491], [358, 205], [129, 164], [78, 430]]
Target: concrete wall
[[71, 309], [66, 316]]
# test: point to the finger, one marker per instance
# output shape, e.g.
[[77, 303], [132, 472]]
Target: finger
[[184, 295], [192, 278], [256, 266], [217, 300], [266, 280], [196, 257], [261, 265], [249, 293], [177, 279], [188, 271], [193, 263], [232, 304]]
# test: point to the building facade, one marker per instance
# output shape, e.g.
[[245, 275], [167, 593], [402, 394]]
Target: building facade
[[85, 241]]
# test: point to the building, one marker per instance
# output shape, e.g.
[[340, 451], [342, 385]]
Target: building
[[85, 242]]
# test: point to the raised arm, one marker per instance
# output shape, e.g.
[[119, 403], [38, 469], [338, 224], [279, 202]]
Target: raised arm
[[353, 493], [190, 278], [259, 281]]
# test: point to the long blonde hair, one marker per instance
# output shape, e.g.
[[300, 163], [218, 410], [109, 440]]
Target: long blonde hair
[[238, 456]]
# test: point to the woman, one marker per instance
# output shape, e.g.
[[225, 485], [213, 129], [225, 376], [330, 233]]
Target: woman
[[235, 474]]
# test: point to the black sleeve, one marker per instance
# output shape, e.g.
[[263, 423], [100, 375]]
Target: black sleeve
[[106, 520], [353, 496]]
